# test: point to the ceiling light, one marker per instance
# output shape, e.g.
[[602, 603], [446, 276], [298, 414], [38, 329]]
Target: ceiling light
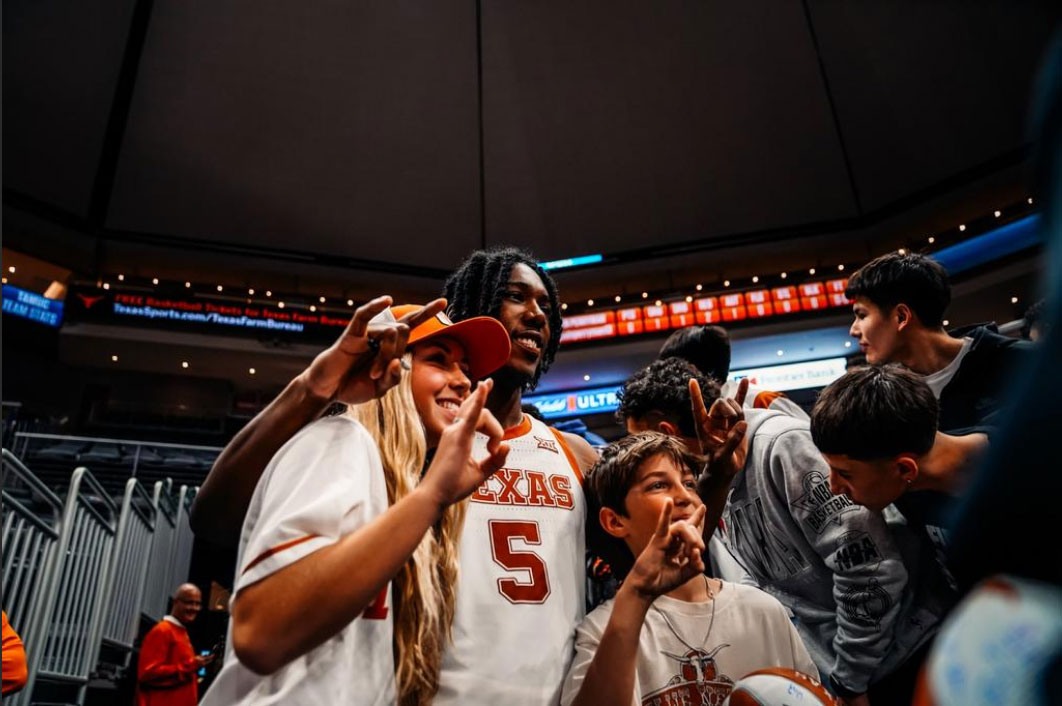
[[962, 228], [280, 305], [564, 307], [187, 285], [586, 377], [11, 269], [1030, 200], [220, 288], [659, 303], [313, 308], [780, 352], [645, 295], [321, 299], [589, 302], [251, 291], [755, 279], [945, 322], [184, 363], [847, 344], [811, 271], [121, 278], [618, 298], [269, 293], [1013, 300], [114, 359], [726, 283], [106, 285], [5, 280], [350, 302], [700, 287], [251, 371], [689, 299], [840, 268], [997, 214], [784, 275], [932, 240], [902, 251], [154, 280]]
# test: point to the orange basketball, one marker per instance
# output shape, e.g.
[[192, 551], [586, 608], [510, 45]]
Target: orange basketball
[[776, 686]]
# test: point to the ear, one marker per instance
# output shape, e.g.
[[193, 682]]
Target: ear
[[666, 427], [907, 467], [904, 316], [613, 523]]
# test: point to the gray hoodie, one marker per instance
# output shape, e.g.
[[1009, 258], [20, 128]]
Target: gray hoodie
[[862, 585]]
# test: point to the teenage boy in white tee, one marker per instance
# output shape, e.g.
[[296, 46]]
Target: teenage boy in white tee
[[671, 634]]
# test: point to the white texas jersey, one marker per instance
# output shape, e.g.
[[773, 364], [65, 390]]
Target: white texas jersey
[[522, 585], [759, 398]]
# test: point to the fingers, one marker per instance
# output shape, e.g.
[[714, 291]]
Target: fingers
[[390, 347], [733, 439], [415, 318], [468, 414], [663, 525], [698, 517], [488, 424], [700, 414], [742, 391], [495, 460], [359, 324], [686, 533]]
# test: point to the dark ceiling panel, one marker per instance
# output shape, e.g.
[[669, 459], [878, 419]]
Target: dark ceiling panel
[[338, 128], [926, 90], [61, 66], [617, 125]]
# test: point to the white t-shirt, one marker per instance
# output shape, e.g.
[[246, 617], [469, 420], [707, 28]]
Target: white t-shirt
[[760, 398], [939, 380], [751, 631], [522, 587], [322, 485]]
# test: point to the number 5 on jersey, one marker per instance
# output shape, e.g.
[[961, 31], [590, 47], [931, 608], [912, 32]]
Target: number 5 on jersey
[[533, 586]]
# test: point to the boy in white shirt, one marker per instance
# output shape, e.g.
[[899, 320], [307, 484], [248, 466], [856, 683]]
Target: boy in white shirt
[[671, 634]]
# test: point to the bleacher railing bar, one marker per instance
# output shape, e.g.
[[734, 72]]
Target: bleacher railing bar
[[83, 573]]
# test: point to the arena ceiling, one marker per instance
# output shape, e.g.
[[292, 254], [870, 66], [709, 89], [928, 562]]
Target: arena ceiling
[[390, 138]]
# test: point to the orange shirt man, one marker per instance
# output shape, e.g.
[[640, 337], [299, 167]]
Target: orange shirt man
[[168, 664], [14, 663]]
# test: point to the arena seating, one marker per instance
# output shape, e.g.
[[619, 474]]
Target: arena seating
[[83, 567]]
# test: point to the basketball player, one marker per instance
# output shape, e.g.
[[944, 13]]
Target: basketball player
[[522, 588]]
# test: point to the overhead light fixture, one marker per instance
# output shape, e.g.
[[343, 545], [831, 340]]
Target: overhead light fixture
[[121, 278], [645, 295], [700, 287], [945, 322], [250, 291], [997, 214], [1013, 300], [280, 305], [726, 283], [154, 280], [11, 269], [659, 303], [321, 299], [187, 285], [1030, 200], [106, 285], [313, 308], [5, 280], [932, 240], [220, 288], [184, 363], [350, 302], [269, 293], [784, 275], [586, 378], [252, 371], [689, 299], [589, 302], [564, 307], [114, 359], [811, 271], [962, 228], [618, 299], [755, 279], [840, 268], [902, 251]]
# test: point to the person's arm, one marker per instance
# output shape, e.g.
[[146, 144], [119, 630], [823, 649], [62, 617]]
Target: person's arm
[[300, 605], [721, 433], [349, 371], [158, 667], [672, 558], [869, 576], [14, 660]]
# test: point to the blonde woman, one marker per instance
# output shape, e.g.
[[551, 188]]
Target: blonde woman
[[340, 511]]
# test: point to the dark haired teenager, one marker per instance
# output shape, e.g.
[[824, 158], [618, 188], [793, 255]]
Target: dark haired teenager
[[522, 546]]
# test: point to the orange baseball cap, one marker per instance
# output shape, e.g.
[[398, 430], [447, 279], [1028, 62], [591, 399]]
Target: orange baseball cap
[[485, 340]]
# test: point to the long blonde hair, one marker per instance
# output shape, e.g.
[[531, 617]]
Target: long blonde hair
[[424, 589]]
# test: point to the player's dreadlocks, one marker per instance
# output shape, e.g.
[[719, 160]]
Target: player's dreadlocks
[[477, 286]]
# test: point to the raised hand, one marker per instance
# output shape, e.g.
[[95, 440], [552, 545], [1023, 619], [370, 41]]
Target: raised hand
[[673, 555], [365, 361], [720, 432], [454, 473]]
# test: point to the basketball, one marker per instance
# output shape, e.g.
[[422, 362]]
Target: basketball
[[779, 687]]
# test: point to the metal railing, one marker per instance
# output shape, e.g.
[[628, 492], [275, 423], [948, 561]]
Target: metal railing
[[183, 540], [129, 562], [157, 589], [31, 534]]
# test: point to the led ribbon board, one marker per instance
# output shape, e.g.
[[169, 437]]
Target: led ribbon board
[[27, 305], [793, 376], [571, 404]]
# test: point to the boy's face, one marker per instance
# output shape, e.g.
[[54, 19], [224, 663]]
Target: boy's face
[[658, 478], [878, 332], [873, 484], [525, 310]]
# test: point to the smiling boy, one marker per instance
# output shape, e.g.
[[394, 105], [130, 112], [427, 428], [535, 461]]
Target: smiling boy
[[671, 635]]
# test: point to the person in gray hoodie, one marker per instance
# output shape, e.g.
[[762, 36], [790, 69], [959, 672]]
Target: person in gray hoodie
[[865, 589]]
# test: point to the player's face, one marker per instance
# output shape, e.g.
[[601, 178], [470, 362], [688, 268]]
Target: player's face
[[440, 383], [525, 311], [187, 605], [872, 484], [876, 331], [658, 479]]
